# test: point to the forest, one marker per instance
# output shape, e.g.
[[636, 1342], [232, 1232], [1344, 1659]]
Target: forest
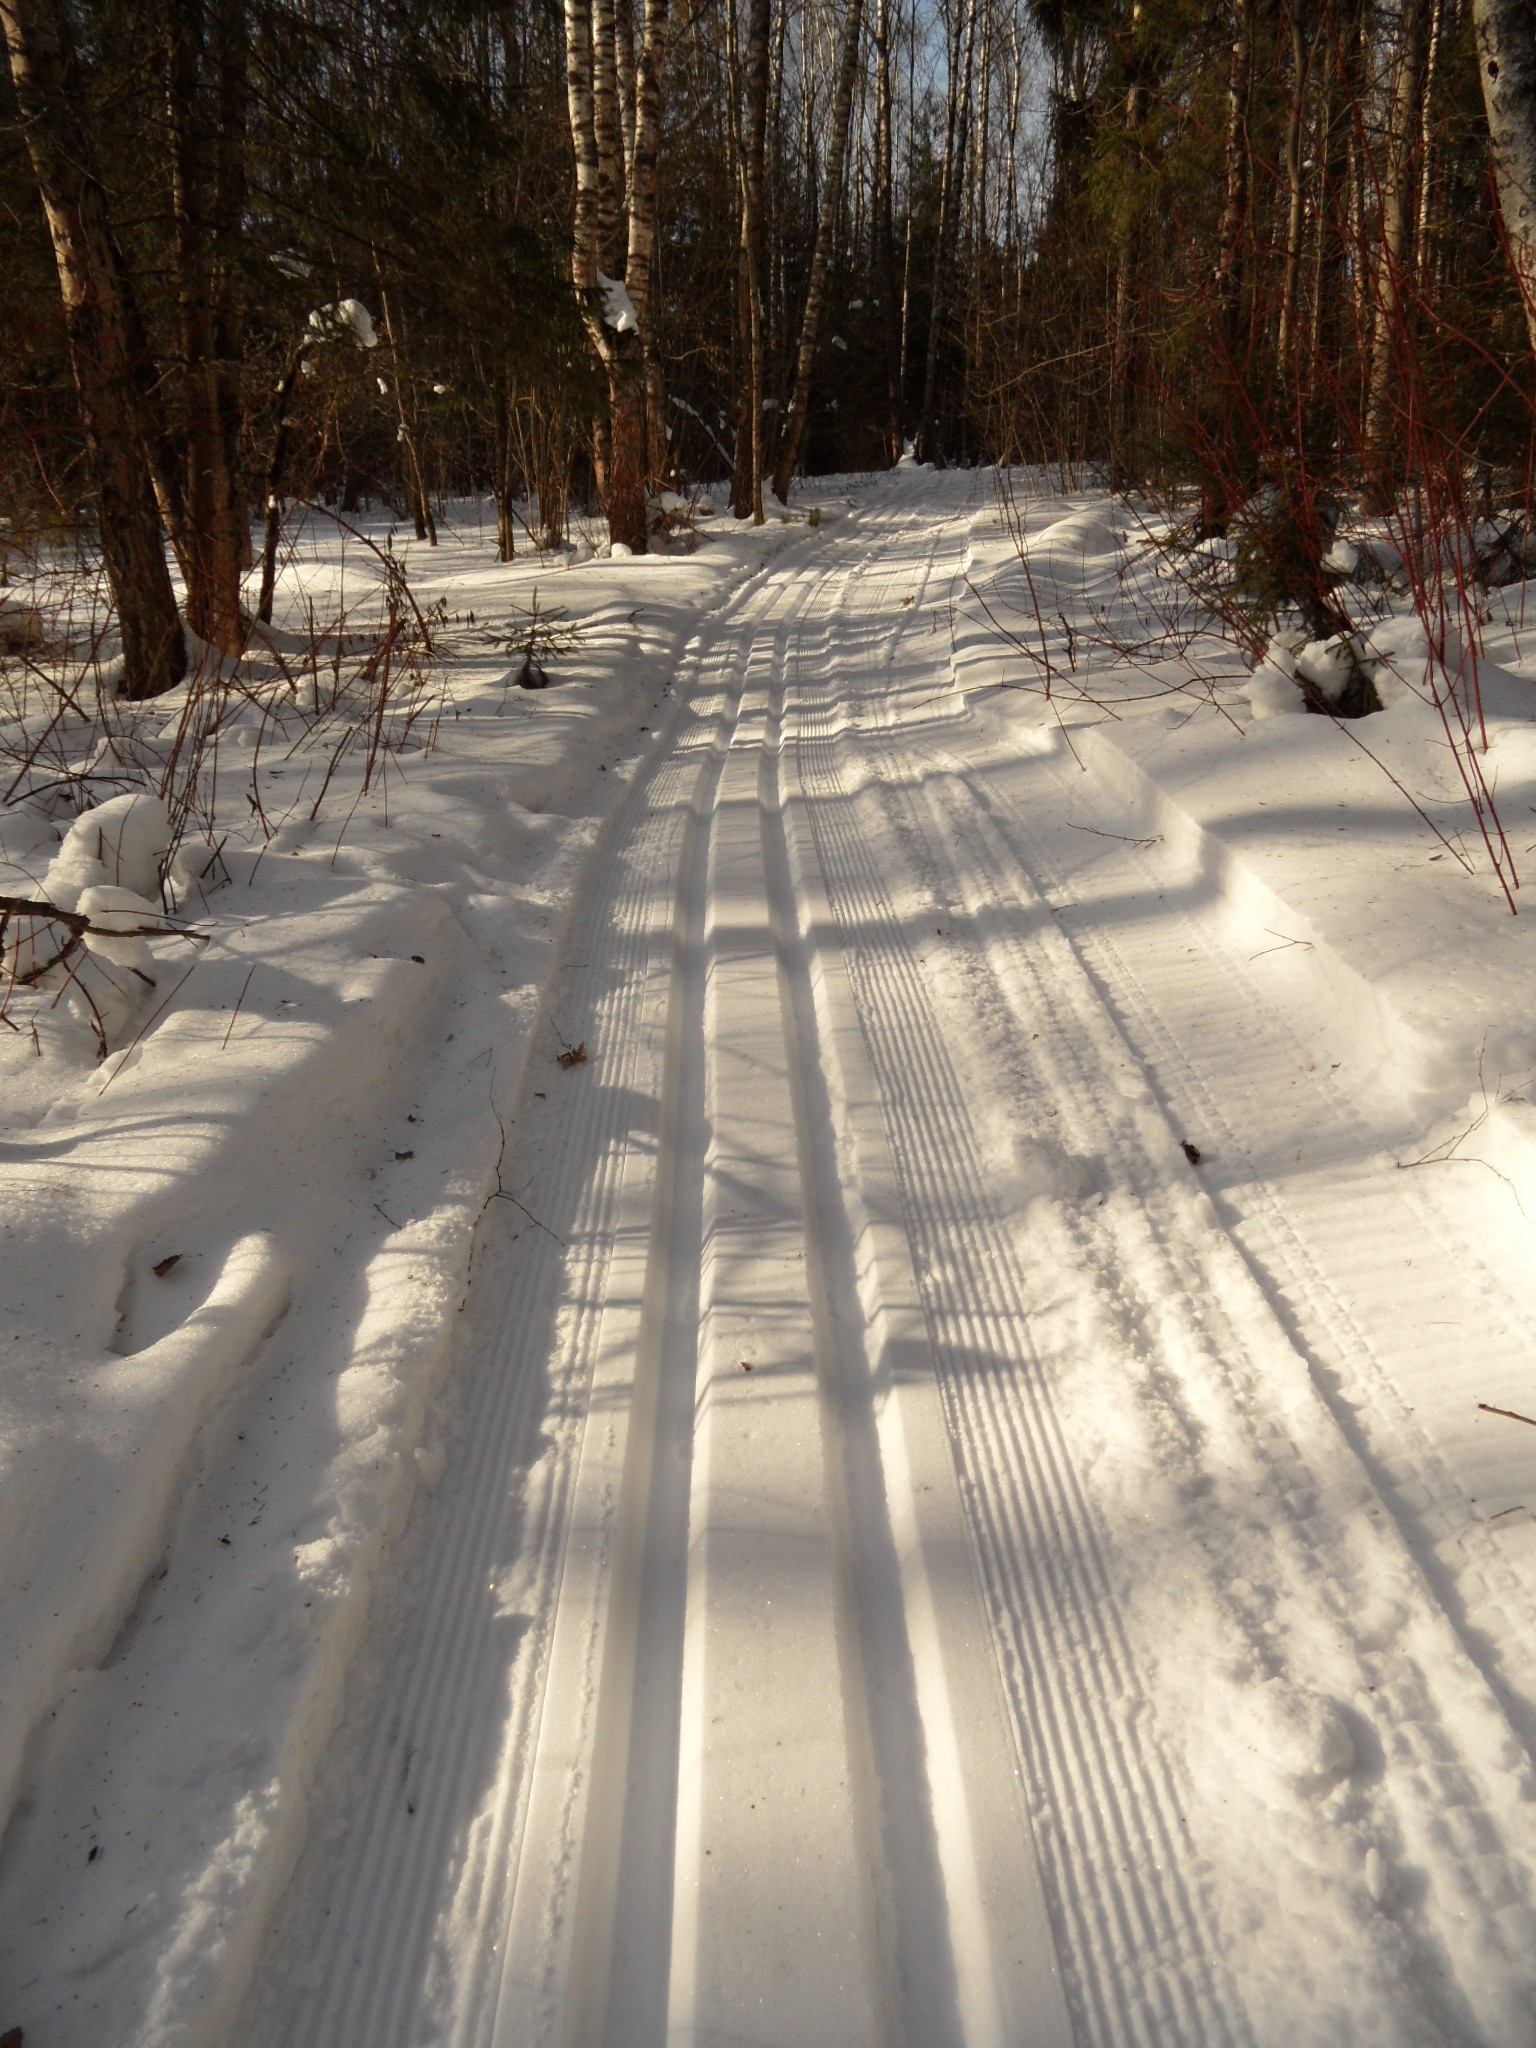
[[260, 253]]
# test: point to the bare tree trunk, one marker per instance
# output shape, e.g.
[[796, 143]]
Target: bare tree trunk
[[1506, 51], [624, 68], [642, 197], [885, 232], [657, 437], [272, 508], [741, 454], [1427, 152], [1123, 340], [1230, 270], [421, 504], [1331, 344], [964, 21], [208, 187], [747, 482], [620, 349], [547, 469], [759, 21], [101, 326], [607, 134], [502, 437], [826, 230], [586, 229], [1295, 179], [1395, 262]]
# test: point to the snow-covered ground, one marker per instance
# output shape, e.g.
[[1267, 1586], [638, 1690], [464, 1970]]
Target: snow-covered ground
[[931, 1486]]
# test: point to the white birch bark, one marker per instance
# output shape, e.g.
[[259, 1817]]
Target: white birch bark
[[1506, 53]]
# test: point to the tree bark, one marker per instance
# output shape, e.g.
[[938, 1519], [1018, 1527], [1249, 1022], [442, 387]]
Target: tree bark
[[1428, 154], [101, 329], [885, 232], [607, 134], [747, 484], [405, 434], [826, 231], [642, 196], [964, 18], [1395, 262], [272, 505], [1329, 344], [1295, 179], [622, 467], [505, 476], [1234, 215], [1122, 355], [208, 188], [1506, 51]]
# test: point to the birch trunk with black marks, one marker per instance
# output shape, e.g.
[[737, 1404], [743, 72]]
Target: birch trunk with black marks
[[1506, 53], [607, 135], [104, 339], [599, 145]]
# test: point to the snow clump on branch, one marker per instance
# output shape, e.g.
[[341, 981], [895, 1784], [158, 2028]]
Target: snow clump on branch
[[618, 307], [346, 316]]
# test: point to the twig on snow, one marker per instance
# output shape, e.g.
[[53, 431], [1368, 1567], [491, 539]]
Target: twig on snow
[[1511, 1415]]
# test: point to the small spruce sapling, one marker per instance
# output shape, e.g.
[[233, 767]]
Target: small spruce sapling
[[537, 636]]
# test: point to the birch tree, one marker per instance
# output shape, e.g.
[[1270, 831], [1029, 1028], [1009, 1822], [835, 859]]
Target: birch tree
[[1506, 50], [616, 308], [826, 231]]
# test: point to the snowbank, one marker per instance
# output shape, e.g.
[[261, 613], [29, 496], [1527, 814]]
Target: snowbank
[[233, 1251]]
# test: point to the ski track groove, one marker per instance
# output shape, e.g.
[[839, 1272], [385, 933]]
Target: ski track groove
[[381, 1973], [1416, 1734], [1085, 1768], [1247, 1046], [618, 1954], [382, 1942], [1298, 1241]]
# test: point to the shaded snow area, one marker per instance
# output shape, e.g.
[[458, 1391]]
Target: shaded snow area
[[797, 1343]]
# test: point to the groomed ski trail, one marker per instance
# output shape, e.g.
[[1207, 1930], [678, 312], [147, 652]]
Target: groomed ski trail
[[881, 1481]]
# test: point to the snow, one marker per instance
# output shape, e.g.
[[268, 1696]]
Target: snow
[[345, 316], [618, 307], [119, 842], [949, 1436]]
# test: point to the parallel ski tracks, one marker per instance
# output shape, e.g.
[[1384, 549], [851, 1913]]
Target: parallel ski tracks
[[1326, 1305], [1122, 1870], [430, 1849], [967, 848], [516, 1870]]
